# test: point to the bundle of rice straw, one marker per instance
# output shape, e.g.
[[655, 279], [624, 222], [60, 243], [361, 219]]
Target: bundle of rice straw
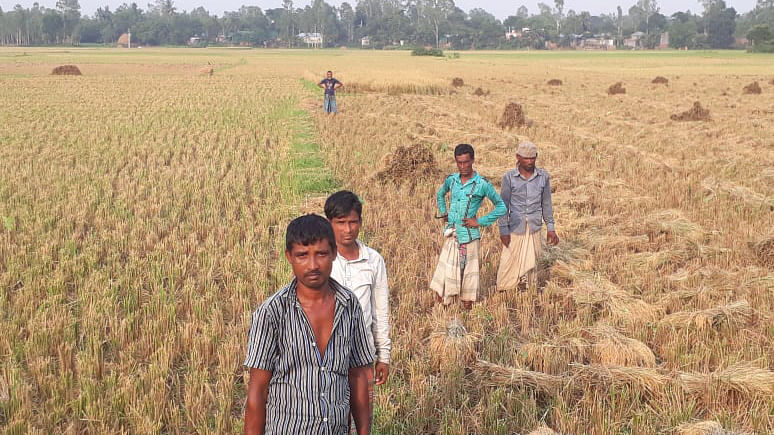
[[615, 349], [708, 427], [736, 314], [647, 379], [673, 222], [544, 430], [451, 343], [742, 378], [601, 294], [501, 375], [554, 357]]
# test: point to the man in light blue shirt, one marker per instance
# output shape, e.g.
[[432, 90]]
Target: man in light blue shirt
[[526, 191], [457, 273]]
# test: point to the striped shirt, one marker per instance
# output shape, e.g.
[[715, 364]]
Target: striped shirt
[[308, 393]]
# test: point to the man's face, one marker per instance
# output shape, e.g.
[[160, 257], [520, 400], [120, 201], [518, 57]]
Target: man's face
[[329, 74], [528, 163], [346, 228], [311, 263], [464, 164]]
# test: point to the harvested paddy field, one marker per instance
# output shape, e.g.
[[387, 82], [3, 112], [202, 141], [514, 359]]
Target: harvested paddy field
[[143, 208]]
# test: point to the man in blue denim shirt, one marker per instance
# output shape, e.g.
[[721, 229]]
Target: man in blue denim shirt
[[526, 191], [458, 268]]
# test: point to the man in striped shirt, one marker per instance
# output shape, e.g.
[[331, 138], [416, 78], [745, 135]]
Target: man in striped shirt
[[308, 349]]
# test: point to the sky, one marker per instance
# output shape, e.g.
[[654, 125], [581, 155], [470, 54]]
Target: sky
[[501, 9]]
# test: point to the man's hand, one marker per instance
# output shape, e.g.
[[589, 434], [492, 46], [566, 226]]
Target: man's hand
[[382, 372], [506, 239], [552, 238], [470, 223]]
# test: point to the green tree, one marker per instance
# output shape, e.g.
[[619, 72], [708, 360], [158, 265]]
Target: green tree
[[682, 31], [720, 24], [434, 15], [758, 34]]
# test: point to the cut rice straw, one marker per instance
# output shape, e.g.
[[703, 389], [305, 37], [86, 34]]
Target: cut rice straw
[[501, 375], [736, 314], [742, 378]]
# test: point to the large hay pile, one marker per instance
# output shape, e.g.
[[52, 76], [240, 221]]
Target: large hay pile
[[660, 80], [66, 70], [764, 250], [408, 163], [479, 92], [555, 82], [695, 113], [457, 82], [513, 116], [616, 88], [752, 88]]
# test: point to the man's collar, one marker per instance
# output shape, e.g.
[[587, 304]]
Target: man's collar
[[341, 292], [475, 177]]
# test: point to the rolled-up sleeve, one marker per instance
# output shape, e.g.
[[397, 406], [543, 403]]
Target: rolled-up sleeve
[[380, 301], [499, 206], [440, 196], [262, 340], [505, 195], [362, 352], [548, 211]]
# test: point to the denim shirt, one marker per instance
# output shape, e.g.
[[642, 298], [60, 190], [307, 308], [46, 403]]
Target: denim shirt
[[528, 202], [464, 202]]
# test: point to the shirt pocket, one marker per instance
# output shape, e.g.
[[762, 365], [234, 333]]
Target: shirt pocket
[[535, 193]]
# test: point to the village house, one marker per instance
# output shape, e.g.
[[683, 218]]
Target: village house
[[314, 40]]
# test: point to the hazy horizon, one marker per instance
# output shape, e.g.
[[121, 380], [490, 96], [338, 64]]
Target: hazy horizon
[[498, 8]]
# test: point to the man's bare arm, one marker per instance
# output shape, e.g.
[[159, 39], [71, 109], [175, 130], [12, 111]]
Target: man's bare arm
[[359, 403], [257, 394]]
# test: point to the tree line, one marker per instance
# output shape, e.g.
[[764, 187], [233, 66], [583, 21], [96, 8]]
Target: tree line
[[386, 24]]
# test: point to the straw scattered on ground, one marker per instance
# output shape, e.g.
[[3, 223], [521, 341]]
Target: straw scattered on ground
[[709, 427], [208, 70], [616, 88], [497, 375], [66, 70], [660, 80], [695, 113], [450, 344], [742, 378], [544, 430]]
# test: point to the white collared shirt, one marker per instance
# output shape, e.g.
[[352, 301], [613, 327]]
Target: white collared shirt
[[366, 276]]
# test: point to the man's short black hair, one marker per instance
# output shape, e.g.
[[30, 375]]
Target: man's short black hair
[[329, 71], [309, 229], [464, 148], [342, 203]]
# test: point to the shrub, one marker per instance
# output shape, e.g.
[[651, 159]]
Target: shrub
[[421, 51]]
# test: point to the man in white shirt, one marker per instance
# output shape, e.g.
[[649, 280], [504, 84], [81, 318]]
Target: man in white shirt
[[362, 270]]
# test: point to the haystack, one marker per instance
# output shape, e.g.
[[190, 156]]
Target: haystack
[[451, 344], [764, 250], [708, 427], [66, 70], [479, 92], [696, 113], [555, 82], [660, 80], [208, 70], [616, 88], [513, 116], [497, 376], [409, 163], [752, 88], [734, 314], [457, 82]]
